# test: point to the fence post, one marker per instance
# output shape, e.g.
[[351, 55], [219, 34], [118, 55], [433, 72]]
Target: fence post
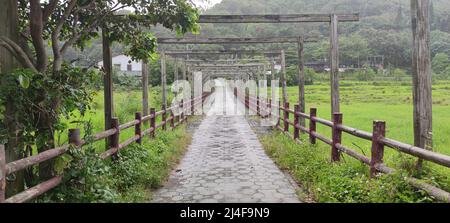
[[164, 119], [153, 121], [337, 137], [2, 174], [286, 117], [312, 125], [377, 147], [182, 111], [172, 120], [75, 137], [137, 127], [279, 114], [116, 137], [258, 112], [296, 122], [192, 105]]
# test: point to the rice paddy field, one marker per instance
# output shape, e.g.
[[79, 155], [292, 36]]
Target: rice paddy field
[[364, 102]]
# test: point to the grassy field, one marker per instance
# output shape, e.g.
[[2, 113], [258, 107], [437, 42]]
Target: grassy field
[[363, 102]]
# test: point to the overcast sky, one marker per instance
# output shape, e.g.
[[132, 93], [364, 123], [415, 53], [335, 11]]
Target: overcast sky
[[210, 3]]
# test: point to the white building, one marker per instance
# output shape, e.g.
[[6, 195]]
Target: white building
[[125, 65]]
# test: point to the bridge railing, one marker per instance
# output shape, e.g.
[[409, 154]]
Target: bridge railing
[[377, 137], [76, 141]]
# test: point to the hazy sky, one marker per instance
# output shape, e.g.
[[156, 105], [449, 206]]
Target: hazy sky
[[210, 3]]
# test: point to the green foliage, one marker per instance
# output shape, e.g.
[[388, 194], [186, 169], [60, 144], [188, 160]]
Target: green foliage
[[440, 63], [347, 181], [33, 93], [365, 74], [87, 178], [398, 73]]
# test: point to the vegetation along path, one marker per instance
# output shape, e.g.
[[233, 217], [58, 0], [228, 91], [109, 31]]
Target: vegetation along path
[[226, 163]]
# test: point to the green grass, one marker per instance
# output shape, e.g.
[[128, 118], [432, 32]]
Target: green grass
[[138, 168], [363, 102], [344, 182]]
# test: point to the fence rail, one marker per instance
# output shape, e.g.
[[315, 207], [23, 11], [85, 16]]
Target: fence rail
[[75, 140], [377, 137]]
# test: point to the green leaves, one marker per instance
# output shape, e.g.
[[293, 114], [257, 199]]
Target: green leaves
[[24, 81]]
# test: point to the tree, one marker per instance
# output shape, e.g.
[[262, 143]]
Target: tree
[[48, 87], [440, 62]]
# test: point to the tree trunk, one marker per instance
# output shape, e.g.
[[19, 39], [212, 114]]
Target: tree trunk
[[8, 28]]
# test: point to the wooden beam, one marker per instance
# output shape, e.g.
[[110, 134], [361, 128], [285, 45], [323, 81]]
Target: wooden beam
[[293, 18], [107, 82], [236, 65], [221, 52], [421, 72], [334, 53], [232, 40]]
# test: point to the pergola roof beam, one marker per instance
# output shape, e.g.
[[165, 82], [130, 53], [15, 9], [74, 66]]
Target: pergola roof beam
[[270, 18]]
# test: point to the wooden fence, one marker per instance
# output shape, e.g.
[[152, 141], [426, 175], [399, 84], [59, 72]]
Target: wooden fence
[[377, 137], [75, 140]]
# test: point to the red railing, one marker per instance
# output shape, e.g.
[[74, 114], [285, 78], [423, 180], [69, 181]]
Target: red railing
[[75, 140], [377, 137]]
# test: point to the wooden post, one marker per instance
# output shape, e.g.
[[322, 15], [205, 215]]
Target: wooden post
[[286, 117], [283, 76], [258, 112], [272, 68], [421, 72], [164, 80], [296, 122], [175, 70], [182, 111], [192, 105], [184, 71], [75, 137], [377, 147], [279, 114], [138, 127], [336, 134], [145, 76], [172, 120], [115, 139], [301, 79], [334, 38], [312, 125], [2, 174], [108, 81], [164, 88], [153, 121]]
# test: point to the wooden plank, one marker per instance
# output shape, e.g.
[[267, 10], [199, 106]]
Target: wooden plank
[[334, 39], [145, 76], [107, 82], [421, 71], [301, 79], [292, 18], [198, 40], [283, 77]]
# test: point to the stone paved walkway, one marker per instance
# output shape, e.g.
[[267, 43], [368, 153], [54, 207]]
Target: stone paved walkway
[[226, 164]]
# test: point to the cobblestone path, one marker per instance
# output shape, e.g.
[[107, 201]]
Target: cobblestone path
[[226, 163]]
